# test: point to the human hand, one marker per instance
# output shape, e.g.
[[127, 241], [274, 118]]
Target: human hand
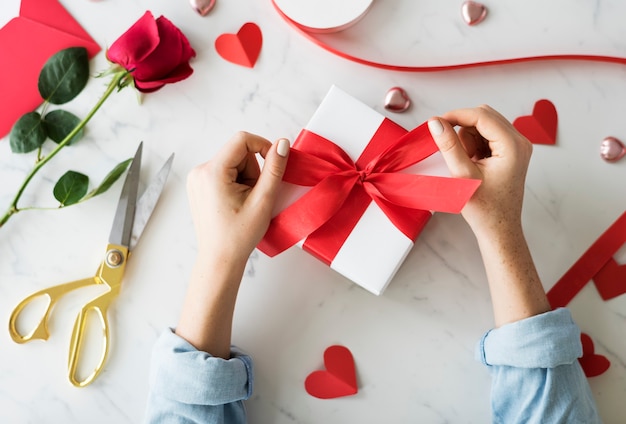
[[489, 148], [231, 199]]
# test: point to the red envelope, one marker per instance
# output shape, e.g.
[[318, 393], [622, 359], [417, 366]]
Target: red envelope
[[43, 28]]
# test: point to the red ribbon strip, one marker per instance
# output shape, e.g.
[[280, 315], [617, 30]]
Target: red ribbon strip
[[342, 189], [589, 265], [302, 30], [596, 263]]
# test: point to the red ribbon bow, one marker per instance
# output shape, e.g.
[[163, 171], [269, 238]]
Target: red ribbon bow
[[342, 189]]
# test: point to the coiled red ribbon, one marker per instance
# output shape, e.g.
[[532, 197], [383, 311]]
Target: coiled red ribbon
[[585, 57], [342, 189]]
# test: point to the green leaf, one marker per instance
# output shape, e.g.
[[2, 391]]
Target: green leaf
[[110, 179], [71, 188], [27, 134], [59, 124], [64, 75]]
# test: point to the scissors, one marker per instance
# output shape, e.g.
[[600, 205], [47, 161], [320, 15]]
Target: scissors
[[130, 220]]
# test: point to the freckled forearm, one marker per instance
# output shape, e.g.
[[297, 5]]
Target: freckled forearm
[[207, 314], [514, 283]]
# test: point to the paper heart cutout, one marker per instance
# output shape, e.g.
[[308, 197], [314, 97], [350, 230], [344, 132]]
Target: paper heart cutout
[[540, 127], [473, 12], [592, 364], [242, 48], [339, 378], [611, 280]]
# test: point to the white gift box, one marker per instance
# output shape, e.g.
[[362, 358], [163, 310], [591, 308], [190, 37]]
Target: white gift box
[[374, 250]]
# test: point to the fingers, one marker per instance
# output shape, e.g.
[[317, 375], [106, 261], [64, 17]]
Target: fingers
[[236, 162], [476, 146], [489, 123], [240, 149], [452, 150], [231, 199], [271, 176], [482, 117]]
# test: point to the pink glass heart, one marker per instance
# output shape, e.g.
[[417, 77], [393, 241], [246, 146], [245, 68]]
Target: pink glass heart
[[473, 12], [612, 150], [202, 6], [397, 100]]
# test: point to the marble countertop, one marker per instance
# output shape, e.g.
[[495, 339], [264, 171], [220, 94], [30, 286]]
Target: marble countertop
[[413, 346]]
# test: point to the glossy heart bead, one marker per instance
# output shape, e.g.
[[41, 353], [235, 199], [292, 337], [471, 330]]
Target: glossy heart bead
[[397, 100], [473, 12], [203, 7], [612, 150]]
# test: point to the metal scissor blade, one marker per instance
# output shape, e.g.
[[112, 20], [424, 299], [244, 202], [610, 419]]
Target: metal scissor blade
[[125, 213], [148, 201]]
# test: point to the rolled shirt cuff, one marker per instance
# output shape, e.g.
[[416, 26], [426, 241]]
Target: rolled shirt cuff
[[190, 376], [543, 341]]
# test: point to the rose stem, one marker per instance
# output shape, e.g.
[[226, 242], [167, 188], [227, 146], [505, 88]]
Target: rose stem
[[13, 209]]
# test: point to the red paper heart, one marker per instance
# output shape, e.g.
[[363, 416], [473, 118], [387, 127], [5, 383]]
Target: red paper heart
[[339, 378], [540, 127], [592, 364], [242, 48], [611, 280]]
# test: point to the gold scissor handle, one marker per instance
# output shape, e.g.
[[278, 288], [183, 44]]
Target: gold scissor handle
[[53, 294], [110, 273], [99, 306]]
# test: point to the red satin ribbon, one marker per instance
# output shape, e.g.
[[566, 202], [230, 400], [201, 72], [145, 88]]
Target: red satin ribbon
[[342, 189], [589, 264], [302, 30]]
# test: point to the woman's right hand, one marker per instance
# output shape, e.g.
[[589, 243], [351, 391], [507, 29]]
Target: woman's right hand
[[489, 148]]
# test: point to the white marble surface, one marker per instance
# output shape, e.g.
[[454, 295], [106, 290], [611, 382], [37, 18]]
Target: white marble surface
[[414, 345]]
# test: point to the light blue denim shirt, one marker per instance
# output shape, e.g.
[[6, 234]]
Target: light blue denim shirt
[[536, 377], [535, 371], [190, 386]]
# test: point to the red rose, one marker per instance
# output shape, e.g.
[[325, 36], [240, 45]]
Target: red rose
[[155, 51]]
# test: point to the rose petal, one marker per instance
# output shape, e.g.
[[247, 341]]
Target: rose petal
[[136, 44], [182, 72], [149, 87], [187, 52], [173, 50]]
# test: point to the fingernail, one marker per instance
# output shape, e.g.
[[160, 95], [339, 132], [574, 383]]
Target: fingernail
[[435, 127], [283, 147]]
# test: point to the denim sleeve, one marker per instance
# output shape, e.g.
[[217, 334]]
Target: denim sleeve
[[535, 371], [190, 386]]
